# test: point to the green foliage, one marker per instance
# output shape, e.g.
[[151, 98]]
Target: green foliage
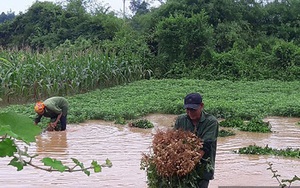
[[139, 6], [42, 19], [225, 133], [97, 167], [241, 62], [8, 147], [256, 61], [154, 180], [55, 164], [284, 53], [182, 38], [16, 162], [120, 120], [228, 65], [281, 19], [7, 16], [257, 150], [129, 46], [107, 163], [213, 40], [232, 122], [254, 125], [47, 25], [238, 27], [18, 126], [35, 75], [226, 35], [82, 166], [79, 44], [224, 99], [142, 123]]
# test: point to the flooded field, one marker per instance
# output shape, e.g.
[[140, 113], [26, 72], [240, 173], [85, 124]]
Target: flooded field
[[123, 145]]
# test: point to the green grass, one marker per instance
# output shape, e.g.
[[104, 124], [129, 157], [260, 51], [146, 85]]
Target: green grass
[[223, 99]]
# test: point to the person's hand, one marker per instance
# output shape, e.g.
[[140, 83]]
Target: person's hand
[[53, 125], [201, 154], [49, 127]]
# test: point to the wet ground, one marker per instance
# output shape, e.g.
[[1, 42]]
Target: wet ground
[[123, 145]]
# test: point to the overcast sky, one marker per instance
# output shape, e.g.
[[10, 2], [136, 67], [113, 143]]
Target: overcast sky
[[22, 5]]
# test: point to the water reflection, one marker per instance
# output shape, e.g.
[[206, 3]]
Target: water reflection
[[123, 145], [52, 142]]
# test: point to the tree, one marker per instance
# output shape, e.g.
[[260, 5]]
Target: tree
[[6, 17], [183, 39], [47, 25], [33, 28], [139, 6]]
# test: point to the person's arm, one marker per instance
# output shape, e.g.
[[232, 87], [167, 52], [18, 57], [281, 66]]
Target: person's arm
[[210, 138], [176, 125], [37, 119], [57, 119], [179, 125]]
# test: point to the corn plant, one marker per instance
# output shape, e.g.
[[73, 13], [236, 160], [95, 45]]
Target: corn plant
[[35, 75]]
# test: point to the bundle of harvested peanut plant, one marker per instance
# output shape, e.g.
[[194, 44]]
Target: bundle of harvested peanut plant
[[173, 158]]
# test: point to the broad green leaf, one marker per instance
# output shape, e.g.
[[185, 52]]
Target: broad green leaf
[[16, 163], [7, 148], [97, 167], [6, 130], [55, 164], [21, 126]]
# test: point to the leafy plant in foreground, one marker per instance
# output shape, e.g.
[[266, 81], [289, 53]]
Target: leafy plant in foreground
[[17, 127], [282, 182]]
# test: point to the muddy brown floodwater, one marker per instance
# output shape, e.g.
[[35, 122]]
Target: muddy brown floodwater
[[123, 145]]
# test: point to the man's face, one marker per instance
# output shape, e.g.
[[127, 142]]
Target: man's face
[[194, 114]]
